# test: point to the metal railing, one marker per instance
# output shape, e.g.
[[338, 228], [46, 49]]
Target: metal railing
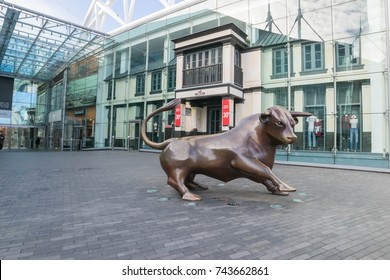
[[202, 75]]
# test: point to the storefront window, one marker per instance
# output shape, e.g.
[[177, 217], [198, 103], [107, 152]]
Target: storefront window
[[314, 126], [350, 117]]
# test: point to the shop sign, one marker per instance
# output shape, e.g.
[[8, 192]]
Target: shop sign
[[225, 112], [79, 112], [178, 116], [55, 116], [200, 93]]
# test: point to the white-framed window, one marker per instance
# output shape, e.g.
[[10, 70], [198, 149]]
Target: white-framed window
[[171, 78], [313, 56], [279, 62], [140, 85], [347, 54], [156, 81]]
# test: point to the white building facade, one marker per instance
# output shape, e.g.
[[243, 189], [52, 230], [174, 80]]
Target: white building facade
[[229, 59]]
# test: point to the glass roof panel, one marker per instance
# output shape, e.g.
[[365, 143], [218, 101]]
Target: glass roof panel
[[38, 47]]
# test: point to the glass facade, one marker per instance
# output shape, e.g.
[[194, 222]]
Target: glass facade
[[25, 123], [335, 75], [326, 57]]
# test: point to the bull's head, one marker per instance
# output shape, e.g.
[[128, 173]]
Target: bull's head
[[280, 122]]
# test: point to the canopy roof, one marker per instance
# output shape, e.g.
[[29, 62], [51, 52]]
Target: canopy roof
[[38, 47]]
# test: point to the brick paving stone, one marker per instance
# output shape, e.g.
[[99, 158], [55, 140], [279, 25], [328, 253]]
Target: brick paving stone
[[117, 205]]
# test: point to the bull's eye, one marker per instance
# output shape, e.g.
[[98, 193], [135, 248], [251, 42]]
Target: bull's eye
[[279, 123]]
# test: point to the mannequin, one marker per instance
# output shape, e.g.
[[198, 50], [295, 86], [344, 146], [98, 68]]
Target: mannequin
[[353, 133], [310, 131]]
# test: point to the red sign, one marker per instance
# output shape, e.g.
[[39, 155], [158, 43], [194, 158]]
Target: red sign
[[225, 112], [178, 116]]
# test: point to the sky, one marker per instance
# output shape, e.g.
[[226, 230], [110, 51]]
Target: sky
[[75, 11]]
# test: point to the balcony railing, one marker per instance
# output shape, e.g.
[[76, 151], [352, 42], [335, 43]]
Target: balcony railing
[[202, 75]]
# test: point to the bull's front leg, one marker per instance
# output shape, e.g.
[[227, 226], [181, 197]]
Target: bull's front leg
[[276, 190], [259, 172]]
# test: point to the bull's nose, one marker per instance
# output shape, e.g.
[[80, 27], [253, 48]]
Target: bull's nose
[[292, 138]]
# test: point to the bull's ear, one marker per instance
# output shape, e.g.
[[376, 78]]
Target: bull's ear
[[300, 114], [296, 120], [264, 117]]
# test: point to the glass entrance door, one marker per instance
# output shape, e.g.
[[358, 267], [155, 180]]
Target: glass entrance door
[[20, 138], [78, 136], [214, 120]]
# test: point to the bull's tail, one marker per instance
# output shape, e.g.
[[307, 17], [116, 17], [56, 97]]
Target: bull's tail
[[150, 143]]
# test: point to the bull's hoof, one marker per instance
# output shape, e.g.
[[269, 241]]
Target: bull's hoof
[[191, 196], [280, 193], [287, 188]]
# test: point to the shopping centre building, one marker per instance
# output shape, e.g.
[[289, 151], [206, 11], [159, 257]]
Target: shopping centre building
[[75, 88]]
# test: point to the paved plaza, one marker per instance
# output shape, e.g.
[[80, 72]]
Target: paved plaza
[[116, 205]]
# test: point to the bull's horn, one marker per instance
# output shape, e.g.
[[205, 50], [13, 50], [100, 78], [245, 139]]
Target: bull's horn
[[264, 117], [300, 114]]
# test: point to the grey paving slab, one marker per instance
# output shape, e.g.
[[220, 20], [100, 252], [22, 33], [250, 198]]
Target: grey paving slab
[[117, 205]]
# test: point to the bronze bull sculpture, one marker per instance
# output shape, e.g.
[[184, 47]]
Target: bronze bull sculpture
[[246, 151]]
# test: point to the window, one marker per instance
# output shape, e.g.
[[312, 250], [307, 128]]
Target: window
[[109, 63], [315, 133], [313, 57], [109, 90], [238, 75], [156, 82], [138, 58], [156, 53], [237, 58], [347, 54], [121, 61], [56, 97], [187, 62], [171, 78], [203, 67], [279, 62], [314, 95], [140, 85]]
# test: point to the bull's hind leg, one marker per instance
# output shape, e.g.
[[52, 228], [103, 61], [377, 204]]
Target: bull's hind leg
[[191, 184], [176, 181]]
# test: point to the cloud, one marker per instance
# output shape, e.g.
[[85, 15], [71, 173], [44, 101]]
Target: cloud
[[71, 10]]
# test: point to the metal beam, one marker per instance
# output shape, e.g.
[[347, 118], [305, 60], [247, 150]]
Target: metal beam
[[7, 29], [98, 11]]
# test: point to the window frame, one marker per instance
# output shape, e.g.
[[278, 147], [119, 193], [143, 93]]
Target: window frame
[[156, 82], [350, 61], [171, 78], [140, 85], [311, 57]]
